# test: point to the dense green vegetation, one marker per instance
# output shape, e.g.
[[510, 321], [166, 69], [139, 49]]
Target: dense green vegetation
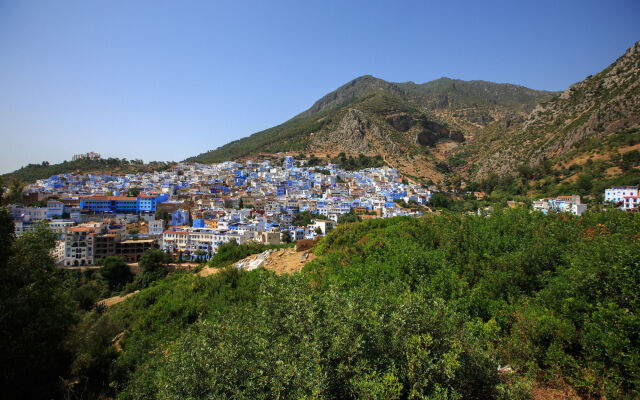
[[33, 172], [391, 308], [349, 217], [289, 136], [305, 218], [116, 272], [36, 313], [357, 163]]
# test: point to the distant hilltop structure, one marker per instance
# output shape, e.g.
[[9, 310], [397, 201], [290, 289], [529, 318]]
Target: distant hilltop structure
[[86, 156]]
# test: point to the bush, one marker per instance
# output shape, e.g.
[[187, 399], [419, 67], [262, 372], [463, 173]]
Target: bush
[[400, 308], [116, 272], [349, 217], [153, 260]]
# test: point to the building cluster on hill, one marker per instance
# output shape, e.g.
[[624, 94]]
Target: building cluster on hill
[[192, 209], [86, 156], [569, 204], [625, 198]]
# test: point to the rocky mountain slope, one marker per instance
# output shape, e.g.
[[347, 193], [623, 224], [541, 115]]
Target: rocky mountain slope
[[461, 129], [599, 106], [413, 126]]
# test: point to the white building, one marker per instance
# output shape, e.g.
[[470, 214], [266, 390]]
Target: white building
[[630, 203], [568, 204], [33, 214], [156, 227], [60, 226], [617, 194], [79, 246], [324, 225], [58, 252], [193, 239]]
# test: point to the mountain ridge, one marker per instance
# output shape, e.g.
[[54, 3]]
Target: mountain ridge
[[449, 129], [374, 117], [598, 106]]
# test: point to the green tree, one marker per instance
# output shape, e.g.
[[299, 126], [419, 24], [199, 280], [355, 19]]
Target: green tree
[[154, 267], [116, 272], [630, 159], [153, 260], [349, 217], [36, 312], [16, 187], [285, 237], [3, 191], [584, 183], [440, 200]]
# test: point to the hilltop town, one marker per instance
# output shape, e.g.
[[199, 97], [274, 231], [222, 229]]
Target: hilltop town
[[191, 210]]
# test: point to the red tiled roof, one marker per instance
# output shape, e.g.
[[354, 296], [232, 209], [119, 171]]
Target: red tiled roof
[[78, 229], [177, 232]]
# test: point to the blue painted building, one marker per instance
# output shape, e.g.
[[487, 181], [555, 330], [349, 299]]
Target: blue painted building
[[218, 187], [119, 204], [281, 191], [180, 217]]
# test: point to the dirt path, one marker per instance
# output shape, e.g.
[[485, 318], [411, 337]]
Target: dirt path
[[207, 271], [116, 299]]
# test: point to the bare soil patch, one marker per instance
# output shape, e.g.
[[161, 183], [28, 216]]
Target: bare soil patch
[[116, 299]]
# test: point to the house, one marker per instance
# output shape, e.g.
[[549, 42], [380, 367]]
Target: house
[[630, 203], [617, 194], [627, 197], [79, 246], [55, 209], [156, 227], [132, 250], [119, 204], [568, 204], [58, 252], [270, 238], [324, 225]]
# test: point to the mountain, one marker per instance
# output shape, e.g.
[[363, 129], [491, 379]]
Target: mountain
[[412, 126], [596, 119], [469, 130]]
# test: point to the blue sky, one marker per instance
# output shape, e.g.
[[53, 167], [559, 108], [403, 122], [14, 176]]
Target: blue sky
[[164, 80]]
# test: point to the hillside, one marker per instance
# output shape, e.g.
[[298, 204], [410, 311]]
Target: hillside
[[412, 126], [399, 308], [110, 166], [449, 130], [568, 126]]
